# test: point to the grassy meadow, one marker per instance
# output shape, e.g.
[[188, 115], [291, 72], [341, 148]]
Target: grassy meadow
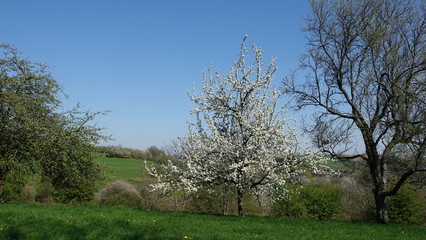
[[26, 221], [21, 221], [130, 170]]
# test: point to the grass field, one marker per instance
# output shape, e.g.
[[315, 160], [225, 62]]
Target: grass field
[[21, 221], [131, 170]]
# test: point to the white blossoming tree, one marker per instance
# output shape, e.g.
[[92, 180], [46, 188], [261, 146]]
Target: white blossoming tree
[[240, 138]]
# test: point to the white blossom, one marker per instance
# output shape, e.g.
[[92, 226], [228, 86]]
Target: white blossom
[[241, 136]]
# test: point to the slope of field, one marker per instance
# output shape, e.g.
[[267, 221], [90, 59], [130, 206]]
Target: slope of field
[[123, 168], [21, 221], [130, 170]]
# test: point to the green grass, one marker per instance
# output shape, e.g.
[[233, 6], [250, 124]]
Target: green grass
[[21, 221], [338, 165], [131, 170]]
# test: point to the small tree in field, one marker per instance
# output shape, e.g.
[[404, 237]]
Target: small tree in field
[[240, 138]]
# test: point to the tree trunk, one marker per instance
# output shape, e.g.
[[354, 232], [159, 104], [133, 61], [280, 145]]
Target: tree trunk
[[225, 200], [176, 201], [382, 211], [240, 202]]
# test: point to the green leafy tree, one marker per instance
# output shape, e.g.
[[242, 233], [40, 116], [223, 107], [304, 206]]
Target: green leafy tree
[[38, 139]]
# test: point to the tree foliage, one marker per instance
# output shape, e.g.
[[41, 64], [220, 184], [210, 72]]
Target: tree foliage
[[366, 77], [406, 207], [38, 139], [152, 153], [313, 201], [122, 152], [241, 137]]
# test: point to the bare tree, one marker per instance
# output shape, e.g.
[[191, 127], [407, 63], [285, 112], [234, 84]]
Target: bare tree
[[366, 76]]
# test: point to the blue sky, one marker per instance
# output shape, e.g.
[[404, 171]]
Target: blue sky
[[140, 58]]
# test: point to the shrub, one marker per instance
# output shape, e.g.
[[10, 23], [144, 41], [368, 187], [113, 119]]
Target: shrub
[[11, 191], [405, 207], [162, 200], [29, 192], [155, 154], [120, 193], [315, 201], [358, 202], [323, 202], [121, 152], [289, 203], [205, 201], [45, 193], [73, 195], [19, 186]]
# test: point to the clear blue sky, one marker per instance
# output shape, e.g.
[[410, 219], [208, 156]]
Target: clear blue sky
[[140, 58]]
